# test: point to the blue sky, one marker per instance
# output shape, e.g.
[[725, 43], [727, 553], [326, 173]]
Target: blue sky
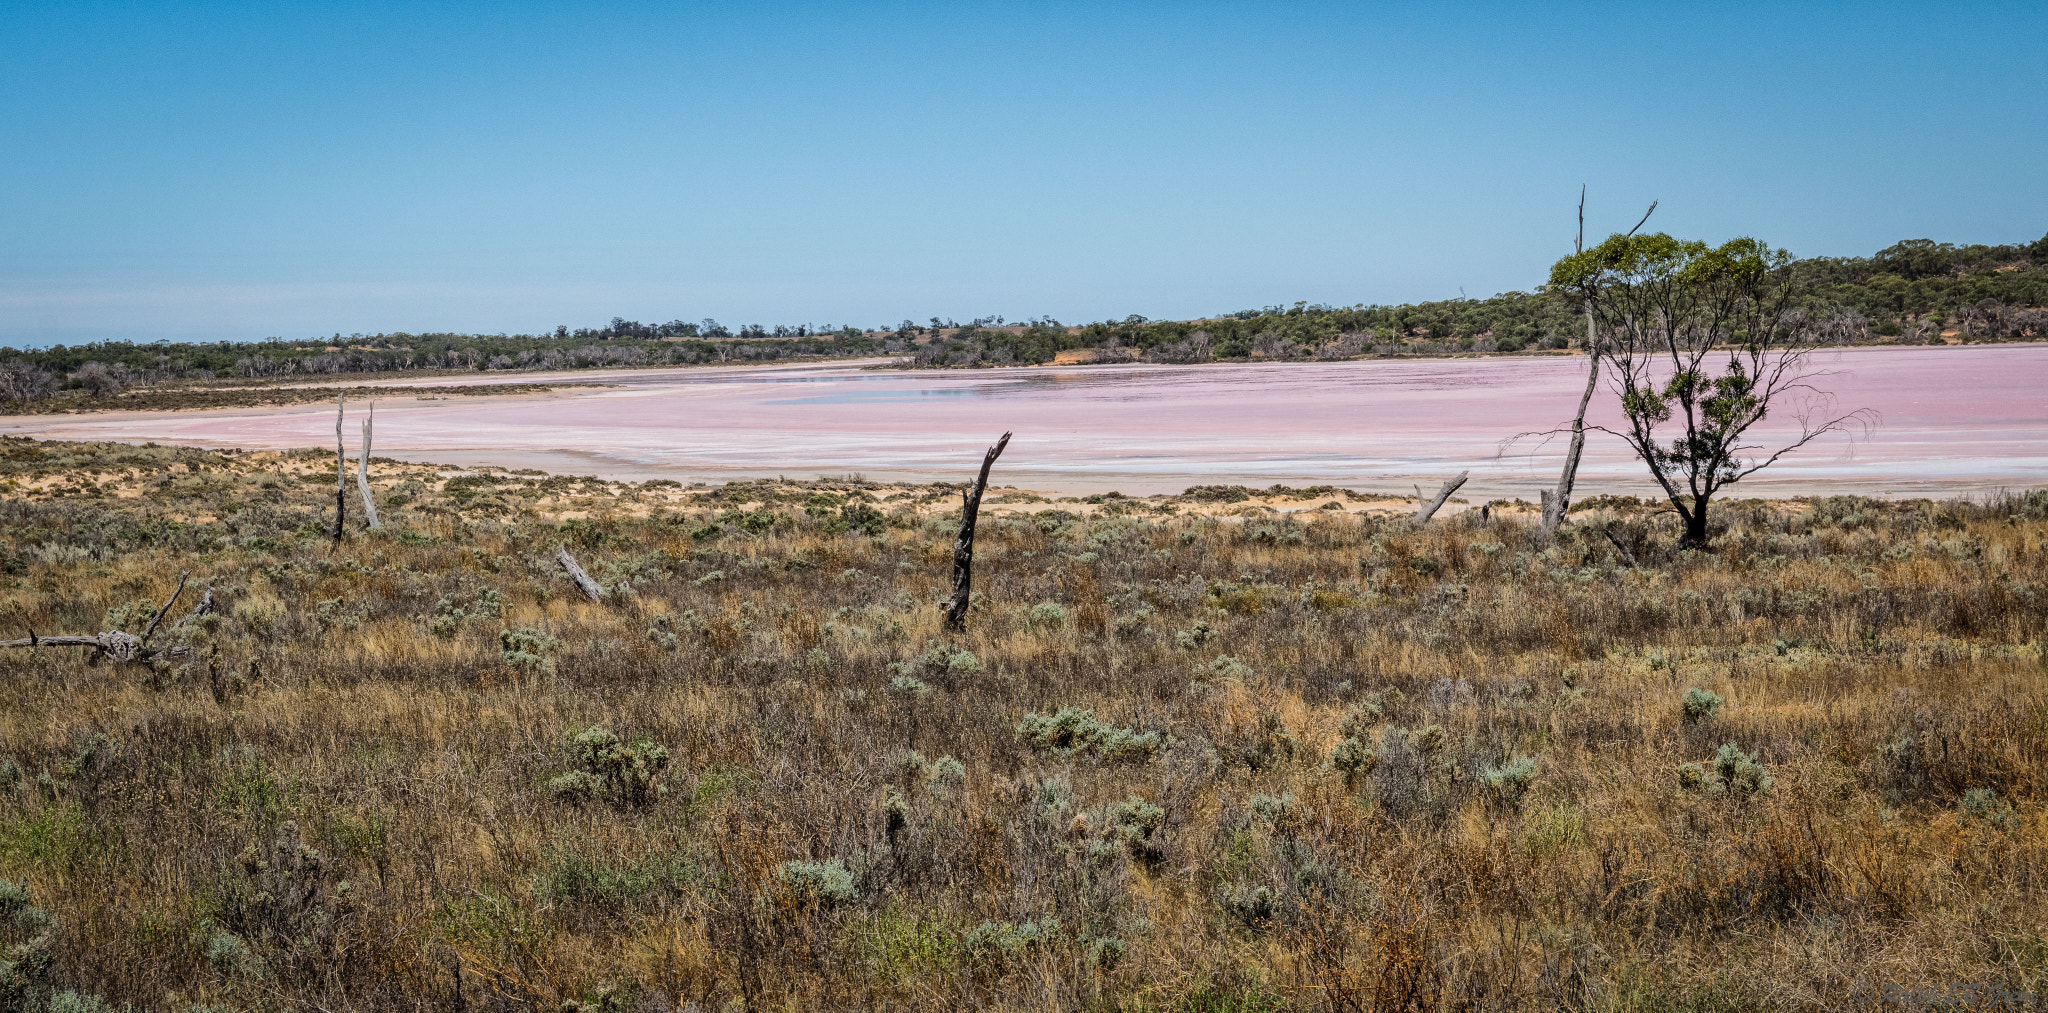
[[203, 172]]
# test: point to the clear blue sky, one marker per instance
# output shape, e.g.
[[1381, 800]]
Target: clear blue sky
[[202, 171]]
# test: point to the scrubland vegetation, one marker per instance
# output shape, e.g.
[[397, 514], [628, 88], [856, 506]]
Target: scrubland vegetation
[[1192, 753]]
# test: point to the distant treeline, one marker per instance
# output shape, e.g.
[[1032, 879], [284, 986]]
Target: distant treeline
[[106, 367], [1912, 292]]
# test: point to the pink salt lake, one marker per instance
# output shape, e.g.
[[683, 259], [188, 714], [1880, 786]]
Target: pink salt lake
[[1951, 421]]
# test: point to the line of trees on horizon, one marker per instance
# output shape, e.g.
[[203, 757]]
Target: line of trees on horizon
[[1913, 292]]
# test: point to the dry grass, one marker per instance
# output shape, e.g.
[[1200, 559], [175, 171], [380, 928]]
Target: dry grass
[[396, 713]]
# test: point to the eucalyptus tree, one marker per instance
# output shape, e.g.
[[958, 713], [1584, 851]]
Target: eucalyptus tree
[[1703, 343]]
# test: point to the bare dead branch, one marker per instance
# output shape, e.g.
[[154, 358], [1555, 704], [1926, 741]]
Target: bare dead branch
[[340, 470], [1639, 225], [1626, 556], [206, 605], [172, 600]]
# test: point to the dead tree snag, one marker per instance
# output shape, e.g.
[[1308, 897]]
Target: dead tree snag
[[963, 546]]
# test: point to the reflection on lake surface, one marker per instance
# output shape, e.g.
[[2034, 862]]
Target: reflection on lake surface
[[1952, 420]]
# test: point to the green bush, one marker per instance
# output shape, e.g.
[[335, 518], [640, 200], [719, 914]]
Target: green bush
[[1354, 758], [1048, 613]]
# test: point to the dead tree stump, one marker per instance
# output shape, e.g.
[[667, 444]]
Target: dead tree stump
[[963, 546]]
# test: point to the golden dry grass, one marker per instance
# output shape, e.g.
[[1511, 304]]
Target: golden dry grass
[[396, 711]]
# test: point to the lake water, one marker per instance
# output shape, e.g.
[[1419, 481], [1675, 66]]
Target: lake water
[[1951, 420]]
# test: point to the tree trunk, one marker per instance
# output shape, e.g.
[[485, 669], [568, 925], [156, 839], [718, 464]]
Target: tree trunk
[[1695, 525], [963, 546], [340, 471], [363, 472], [1430, 508], [1558, 503]]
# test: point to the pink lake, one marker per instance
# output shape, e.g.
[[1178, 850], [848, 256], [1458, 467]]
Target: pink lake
[[1951, 421]]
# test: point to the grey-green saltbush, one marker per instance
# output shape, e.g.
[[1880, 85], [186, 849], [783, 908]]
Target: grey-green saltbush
[[1732, 772], [622, 773], [1509, 783], [1353, 758], [1700, 705], [527, 650], [825, 883], [1006, 940], [1985, 804], [945, 774], [72, 1002], [1074, 731], [1271, 807], [1136, 822], [1048, 613], [1225, 667], [910, 685]]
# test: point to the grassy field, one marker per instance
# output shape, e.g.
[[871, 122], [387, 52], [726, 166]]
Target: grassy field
[[1227, 751]]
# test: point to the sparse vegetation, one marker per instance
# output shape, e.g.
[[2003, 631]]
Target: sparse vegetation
[[1224, 770]]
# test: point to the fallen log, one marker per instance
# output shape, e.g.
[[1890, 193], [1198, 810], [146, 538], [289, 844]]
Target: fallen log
[[114, 644], [590, 588], [1430, 508], [124, 647], [963, 545]]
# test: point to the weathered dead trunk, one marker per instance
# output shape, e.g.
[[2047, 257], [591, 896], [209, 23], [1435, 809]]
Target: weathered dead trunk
[[1430, 508], [340, 471], [363, 471], [963, 546], [1556, 504], [590, 588]]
